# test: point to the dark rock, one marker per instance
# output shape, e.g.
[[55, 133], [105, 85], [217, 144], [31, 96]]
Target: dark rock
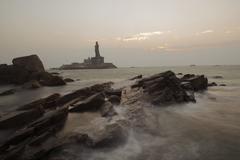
[[8, 92], [198, 82], [47, 79], [187, 86], [20, 118], [51, 121], [115, 92], [218, 77], [164, 88], [114, 99], [107, 110], [46, 103], [30, 63], [54, 73], [212, 84], [223, 85], [92, 103], [33, 84], [136, 77], [83, 93], [68, 80], [180, 74], [10, 74]]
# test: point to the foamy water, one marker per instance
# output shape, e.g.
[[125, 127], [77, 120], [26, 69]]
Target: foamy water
[[208, 129]]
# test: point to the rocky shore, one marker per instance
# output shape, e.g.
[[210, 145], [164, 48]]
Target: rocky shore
[[35, 126], [28, 71]]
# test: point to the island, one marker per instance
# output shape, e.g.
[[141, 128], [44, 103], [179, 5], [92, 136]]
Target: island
[[96, 62]]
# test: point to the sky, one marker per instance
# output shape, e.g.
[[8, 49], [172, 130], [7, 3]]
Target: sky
[[130, 32]]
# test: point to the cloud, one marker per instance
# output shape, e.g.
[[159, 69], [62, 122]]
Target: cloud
[[204, 32], [140, 36]]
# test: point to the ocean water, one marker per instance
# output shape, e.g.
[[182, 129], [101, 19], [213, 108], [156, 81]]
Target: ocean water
[[206, 130]]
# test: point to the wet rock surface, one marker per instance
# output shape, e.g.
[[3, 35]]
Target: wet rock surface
[[37, 125], [8, 92]]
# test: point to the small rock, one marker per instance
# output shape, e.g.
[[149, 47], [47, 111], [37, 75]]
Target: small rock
[[218, 77], [212, 84], [33, 84], [68, 80], [223, 85]]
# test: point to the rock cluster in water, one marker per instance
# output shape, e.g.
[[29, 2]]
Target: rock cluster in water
[[37, 123], [28, 70]]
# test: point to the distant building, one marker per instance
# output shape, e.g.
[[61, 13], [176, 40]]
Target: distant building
[[97, 59], [96, 62]]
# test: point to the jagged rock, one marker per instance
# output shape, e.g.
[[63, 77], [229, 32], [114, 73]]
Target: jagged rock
[[92, 103], [68, 80], [20, 118], [212, 84], [218, 77], [83, 93], [7, 92], [136, 77], [32, 85], [163, 88], [198, 82], [30, 63], [114, 99], [107, 110]]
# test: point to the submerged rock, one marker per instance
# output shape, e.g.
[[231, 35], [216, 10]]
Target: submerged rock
[[8, 92], [32, 85], [68, 80], [218, 77], [212, 84]]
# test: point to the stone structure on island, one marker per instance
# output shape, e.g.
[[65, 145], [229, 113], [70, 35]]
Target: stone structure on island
[[96, 62]]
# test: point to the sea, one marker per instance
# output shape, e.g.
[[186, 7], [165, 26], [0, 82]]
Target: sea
[[206, 130]]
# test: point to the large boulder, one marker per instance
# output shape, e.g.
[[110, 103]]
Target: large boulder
[[163, 88], [30, 63]]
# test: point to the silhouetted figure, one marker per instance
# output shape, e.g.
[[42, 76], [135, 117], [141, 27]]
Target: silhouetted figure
[[97, 53]]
